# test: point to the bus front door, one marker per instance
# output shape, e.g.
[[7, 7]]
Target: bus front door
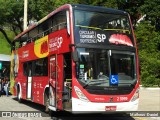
[[52, 82], [56, 82]]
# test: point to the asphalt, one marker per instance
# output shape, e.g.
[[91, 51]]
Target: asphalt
[[149, 101]]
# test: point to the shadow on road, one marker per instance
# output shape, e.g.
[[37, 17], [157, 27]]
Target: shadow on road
[[93, 116], [36, 106]]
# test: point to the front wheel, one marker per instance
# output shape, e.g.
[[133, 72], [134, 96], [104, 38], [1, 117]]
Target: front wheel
[[46, 100], [19, 95]]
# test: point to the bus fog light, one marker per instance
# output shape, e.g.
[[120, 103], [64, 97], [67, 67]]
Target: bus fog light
[[80, 95], [135, 96]]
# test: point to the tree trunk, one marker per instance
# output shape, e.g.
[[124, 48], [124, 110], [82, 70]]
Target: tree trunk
[[6, 36]]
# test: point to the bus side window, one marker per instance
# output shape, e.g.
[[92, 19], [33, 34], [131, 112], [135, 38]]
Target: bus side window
[[24, 39], [40, 31], [67, 67], [32, 34], [41, 67], [54, 26], [59, 21], [44, 28], [49, 26], [25, 69]]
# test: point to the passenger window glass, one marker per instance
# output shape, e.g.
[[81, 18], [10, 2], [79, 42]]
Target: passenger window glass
[[41, 67], [59, 21], [33, 33]]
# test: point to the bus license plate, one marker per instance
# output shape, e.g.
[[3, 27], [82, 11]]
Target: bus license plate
[[110, 108]]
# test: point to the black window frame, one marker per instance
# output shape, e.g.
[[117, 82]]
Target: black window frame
[[43, 69]]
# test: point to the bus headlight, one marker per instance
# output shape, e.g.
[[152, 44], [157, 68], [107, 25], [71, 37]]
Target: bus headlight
[[135, 96], [80, 95]]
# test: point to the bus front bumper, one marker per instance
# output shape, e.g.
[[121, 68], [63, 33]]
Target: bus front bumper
[[79, 105]]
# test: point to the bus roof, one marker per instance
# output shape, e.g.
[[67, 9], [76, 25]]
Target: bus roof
[[5, 57], [98, 8], [75, 6]]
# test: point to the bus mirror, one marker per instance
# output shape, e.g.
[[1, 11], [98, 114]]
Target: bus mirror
[[91, 72], [68, 23], [75, 56]]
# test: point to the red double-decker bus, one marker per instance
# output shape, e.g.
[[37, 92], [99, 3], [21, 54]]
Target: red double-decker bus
[[78, 58]]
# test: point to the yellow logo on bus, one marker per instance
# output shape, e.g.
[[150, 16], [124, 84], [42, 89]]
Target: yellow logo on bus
[[41, 47]]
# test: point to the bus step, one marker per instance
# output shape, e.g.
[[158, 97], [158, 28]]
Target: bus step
[[67, 106], [64, 93], [65, 100]]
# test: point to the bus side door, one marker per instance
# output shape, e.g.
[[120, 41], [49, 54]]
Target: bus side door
[[60, 80], [53, 81], [56, 81]]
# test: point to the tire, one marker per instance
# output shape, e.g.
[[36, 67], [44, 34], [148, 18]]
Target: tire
[[19, 95], [46, 100]]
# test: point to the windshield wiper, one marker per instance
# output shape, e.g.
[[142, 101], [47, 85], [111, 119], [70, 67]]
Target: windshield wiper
[[98, 80], [130, 84], [87, 84], [89, 27]]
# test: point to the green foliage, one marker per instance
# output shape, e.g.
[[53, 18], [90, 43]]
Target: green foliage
[[152, 9], [11, 12], [148, 41], [40, 8], [4, 46], [108, 3]]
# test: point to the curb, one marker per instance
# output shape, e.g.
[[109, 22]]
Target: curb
[[148, 88]]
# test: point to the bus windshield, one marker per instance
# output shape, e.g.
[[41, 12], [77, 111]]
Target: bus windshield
[[100, 28], [96, 65]]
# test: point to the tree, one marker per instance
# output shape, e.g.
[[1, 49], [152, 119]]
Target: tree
[[11, 12], [151, 9], [148, 41]]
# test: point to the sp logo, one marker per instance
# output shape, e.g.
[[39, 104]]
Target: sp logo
[[55, 43], [101, 37], [59, 41]]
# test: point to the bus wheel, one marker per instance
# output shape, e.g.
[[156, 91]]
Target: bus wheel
[[19, 95], [46, 100]]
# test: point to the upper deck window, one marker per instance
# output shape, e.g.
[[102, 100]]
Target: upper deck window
[[32, 34], [98, 27], [59, 21]]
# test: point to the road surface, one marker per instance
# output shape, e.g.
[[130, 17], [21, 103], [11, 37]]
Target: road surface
[[149, 101]]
